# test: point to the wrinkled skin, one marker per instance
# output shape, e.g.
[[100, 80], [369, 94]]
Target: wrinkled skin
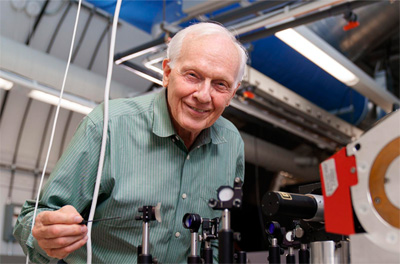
[[201, 83], [59, 233]]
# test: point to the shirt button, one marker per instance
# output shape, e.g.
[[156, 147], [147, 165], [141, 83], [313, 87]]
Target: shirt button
[[188, 157], [177, 234], [184, 196]]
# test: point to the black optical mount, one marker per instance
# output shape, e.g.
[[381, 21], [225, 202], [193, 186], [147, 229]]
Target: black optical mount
[[209, 232], [228, 198], [147, 214], [193, 223]]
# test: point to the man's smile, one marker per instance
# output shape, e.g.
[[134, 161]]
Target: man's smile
[[198, 109]]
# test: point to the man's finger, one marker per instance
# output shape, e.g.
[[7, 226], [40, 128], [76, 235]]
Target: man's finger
[[62, 216], [61, 253], [60, 242], [56, 231]]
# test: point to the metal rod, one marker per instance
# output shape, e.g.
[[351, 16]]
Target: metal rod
[[333, 11], [57, 29], [41, 147], [193, 243], [18, 169], [152, 44], [37, 21], [251, 9], [64, 136], [96, 50], [274, 252], [3, 104], [82, 37], [145, 238], [20, 131], [226, 219]]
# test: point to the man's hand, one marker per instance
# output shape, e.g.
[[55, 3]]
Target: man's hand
[[59, 232]]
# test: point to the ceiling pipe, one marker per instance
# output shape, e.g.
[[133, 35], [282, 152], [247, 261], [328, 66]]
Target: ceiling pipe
[[204, 8], [315, 16], [251, 9], [36, 65], [275, 158]]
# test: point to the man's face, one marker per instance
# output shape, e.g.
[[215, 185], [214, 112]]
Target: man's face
[[201, 84]]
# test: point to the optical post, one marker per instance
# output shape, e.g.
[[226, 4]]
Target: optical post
[[192, 222], [148, 213], [209, 232], [228, 198]]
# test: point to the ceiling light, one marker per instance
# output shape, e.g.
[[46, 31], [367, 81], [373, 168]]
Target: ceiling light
[[137, 54], [52, 99], [150, 65], [317, 56], [6, 85], [143, 74]]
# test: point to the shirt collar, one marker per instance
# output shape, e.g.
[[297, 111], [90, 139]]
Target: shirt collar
[[162, 125]]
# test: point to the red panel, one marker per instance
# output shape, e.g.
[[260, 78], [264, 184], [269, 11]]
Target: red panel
[[338, 211]]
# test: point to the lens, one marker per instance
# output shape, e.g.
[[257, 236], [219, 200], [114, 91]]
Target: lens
[[188, 221], [192, 222], [273, 227]]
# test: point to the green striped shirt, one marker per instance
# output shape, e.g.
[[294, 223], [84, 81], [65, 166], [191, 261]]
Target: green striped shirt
[[146, 163]]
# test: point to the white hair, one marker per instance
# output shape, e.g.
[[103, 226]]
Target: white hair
[[203, 29]]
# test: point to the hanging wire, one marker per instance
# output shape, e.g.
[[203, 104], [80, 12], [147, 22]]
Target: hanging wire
[[105, 127], [55, 119]]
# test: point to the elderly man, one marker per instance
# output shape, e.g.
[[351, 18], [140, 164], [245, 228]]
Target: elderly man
[[172, 148]]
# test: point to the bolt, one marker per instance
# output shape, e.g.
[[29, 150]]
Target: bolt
[[377, 200], [386, 180], [352, 170]]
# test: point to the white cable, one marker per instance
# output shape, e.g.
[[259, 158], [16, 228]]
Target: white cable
[[55, 119], [105, 128]]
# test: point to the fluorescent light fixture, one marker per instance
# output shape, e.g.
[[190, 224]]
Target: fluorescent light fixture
[[137, 54], [52, 99], [317, 56], [150, 65], [154, 68], [6, 85], [144, 75]]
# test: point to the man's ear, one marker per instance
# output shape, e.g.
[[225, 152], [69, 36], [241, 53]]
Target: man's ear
[[167, 71]]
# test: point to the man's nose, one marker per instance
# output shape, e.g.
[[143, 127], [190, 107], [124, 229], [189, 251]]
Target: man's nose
[[203, 93]]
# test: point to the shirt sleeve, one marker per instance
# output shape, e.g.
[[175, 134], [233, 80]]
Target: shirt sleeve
[[70, 183]]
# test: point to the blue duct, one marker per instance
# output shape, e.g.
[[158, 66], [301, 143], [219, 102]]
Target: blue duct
[[283, 64], [269, 55]]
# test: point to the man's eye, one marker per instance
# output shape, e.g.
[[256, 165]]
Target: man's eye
[[221, 85]]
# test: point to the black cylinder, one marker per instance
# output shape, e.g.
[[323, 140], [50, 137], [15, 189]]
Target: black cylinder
[[145, 259], [194, 259], [304, 256], [290, 259], [225, 248], [274, 256], [207, 255], [241, 257], [289, 204]]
